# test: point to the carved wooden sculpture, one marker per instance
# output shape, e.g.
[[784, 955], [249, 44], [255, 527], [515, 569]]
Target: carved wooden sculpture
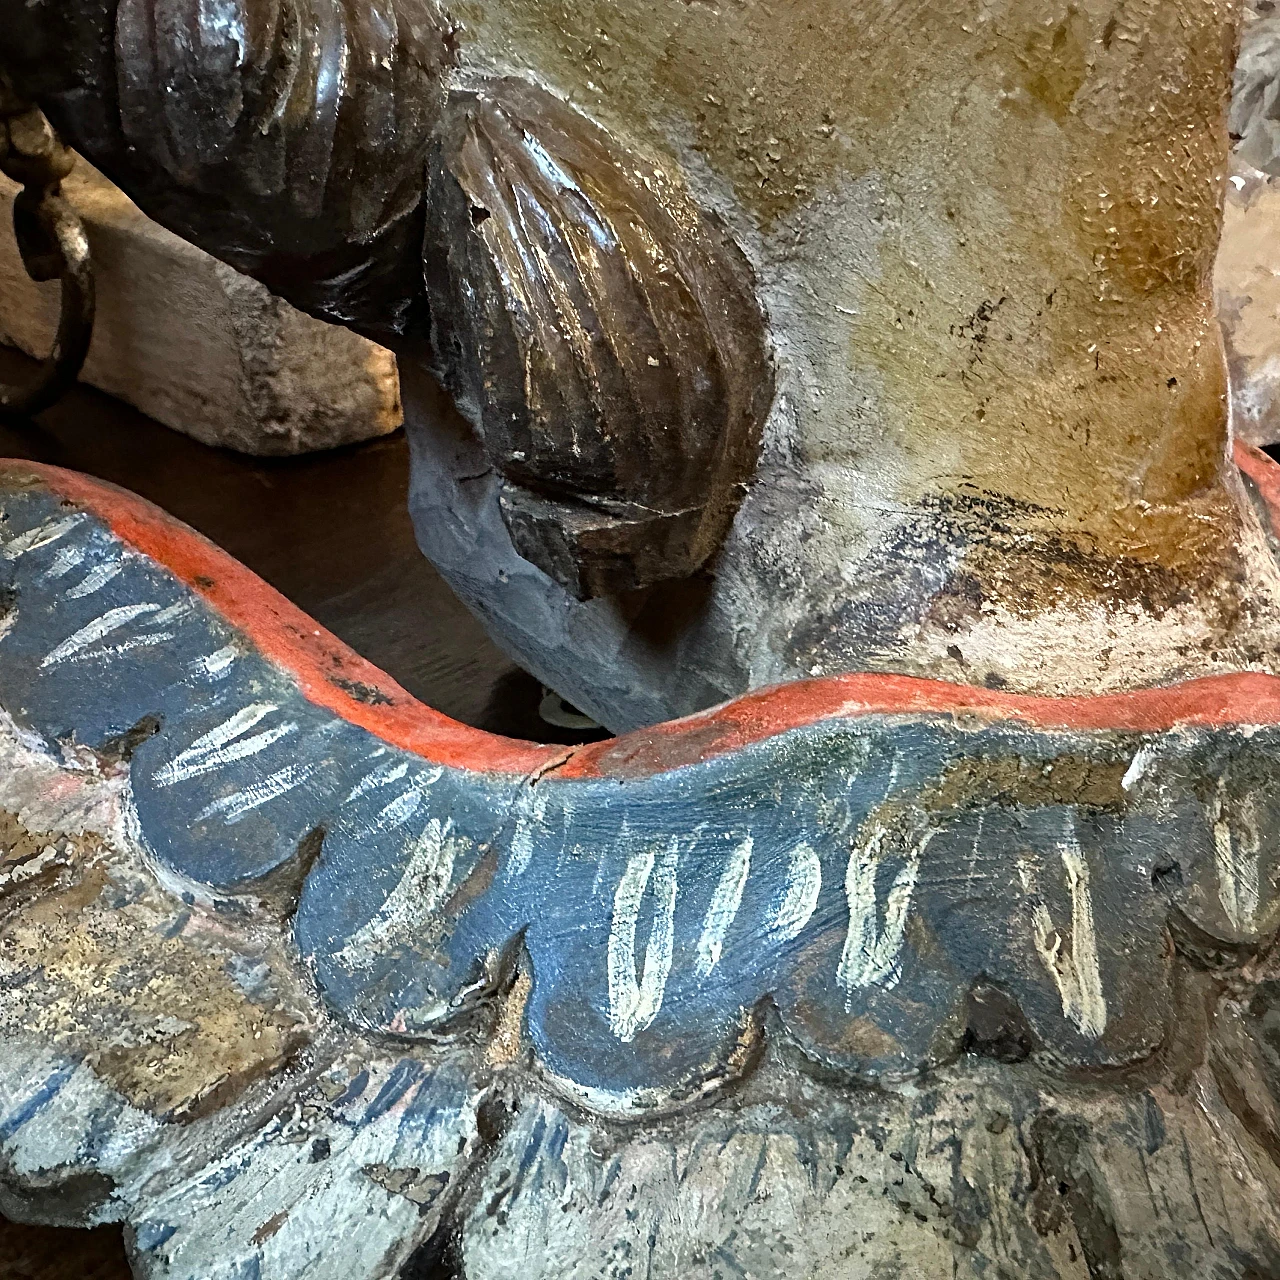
[[870, 342], [996, 423]]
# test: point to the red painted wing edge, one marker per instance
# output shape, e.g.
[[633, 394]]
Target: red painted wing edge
[[332, 675]]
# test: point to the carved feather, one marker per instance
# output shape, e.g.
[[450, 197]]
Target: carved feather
[[286, 137], [602, 333]]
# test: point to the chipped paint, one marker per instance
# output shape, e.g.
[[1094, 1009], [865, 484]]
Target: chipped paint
[[126, 980], [634, 1003], [1138, 766], [1073, 963], [799, 897], [724, 906], [649, 932]]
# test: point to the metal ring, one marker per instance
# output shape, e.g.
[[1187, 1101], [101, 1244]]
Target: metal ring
[[61, 230]]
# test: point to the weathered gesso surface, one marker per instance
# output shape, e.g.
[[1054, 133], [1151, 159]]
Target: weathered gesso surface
[[980, 240], [1246, 284], [866, 977], [195, 344]]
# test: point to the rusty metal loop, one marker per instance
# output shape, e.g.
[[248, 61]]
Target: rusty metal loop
[[54, 246], [60, 368]]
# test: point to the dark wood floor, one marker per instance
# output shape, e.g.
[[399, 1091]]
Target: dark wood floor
[[330, 531], [50, 1253]]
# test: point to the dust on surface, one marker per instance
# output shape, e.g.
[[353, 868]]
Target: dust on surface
[[170, 1008], [1030, 301], [1013, 780]]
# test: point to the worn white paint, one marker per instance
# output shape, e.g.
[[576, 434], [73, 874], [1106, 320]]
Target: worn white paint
[[1075, 970], [872, 953], [792, 911], [215, 665], [725, 902], [382, 776], [41, 536], [1139, 765], [1237, 861], [634, 1003], [94, 580], [178, 770], [531, 812], [223, 744], [272, 787], [65, 559], [8, 619], [109, 652], [427, 877], [171, 613], [96, 630], [623, 840], [397, 812]]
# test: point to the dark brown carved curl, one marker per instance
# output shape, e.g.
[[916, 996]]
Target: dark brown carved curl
[[286, 137], [601, 332]]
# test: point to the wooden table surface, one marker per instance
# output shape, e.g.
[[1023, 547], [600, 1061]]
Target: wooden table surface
[[330, 530], [50, 1253]]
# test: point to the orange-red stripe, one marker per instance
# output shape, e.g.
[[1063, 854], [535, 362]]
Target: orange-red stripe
[[316, 658]]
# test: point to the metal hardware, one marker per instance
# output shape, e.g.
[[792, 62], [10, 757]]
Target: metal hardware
[[52, 241]]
